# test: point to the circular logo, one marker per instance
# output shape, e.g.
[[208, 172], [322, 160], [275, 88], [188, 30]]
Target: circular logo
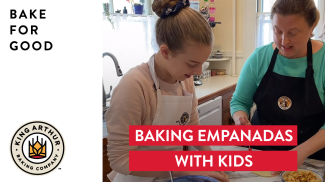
[[284, 103], [184, 119], [37, 148]]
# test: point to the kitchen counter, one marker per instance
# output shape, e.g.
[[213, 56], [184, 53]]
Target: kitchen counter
[[214, 84], [248, 176]]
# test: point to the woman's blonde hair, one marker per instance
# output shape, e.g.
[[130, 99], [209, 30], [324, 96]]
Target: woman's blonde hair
[[306, 8], [187, 26]]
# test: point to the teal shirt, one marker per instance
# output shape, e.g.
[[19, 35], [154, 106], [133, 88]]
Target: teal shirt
[[256, 66]]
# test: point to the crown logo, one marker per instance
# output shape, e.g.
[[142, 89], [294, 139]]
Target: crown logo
[[37, 150]]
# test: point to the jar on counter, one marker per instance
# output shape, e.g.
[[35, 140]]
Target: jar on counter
[[215, 72]]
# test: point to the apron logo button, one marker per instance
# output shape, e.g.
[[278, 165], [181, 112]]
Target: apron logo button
[[184, 119], [284, 103]]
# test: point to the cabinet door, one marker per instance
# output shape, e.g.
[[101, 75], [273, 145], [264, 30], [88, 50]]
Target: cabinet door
[[209, 105], [210, 118], [210, 113], [213, 117]]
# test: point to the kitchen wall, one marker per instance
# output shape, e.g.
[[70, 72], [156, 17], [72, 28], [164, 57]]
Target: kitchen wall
[[223, 31], [224, 35]]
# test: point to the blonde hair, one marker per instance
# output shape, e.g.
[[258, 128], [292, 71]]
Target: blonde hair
[[306, 8], [187, 26]]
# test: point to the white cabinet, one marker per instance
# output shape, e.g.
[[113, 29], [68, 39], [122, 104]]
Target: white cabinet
[[210, 113]]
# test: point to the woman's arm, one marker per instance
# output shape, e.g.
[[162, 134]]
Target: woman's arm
[[313, 144], [242, 99], [309, 147], [127, 107]]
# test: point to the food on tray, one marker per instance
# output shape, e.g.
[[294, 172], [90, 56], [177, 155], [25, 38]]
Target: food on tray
[[263, 173], [301, 176]]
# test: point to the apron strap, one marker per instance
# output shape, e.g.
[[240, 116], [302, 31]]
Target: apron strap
[[310, 88], [309, 55], [156, 85], [309, 77], [151, 65], [272, 63], [270, 68]]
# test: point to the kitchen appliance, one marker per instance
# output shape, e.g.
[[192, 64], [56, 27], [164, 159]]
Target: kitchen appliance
[[218, 55], [210, 112], [197, 78], [197, 81]]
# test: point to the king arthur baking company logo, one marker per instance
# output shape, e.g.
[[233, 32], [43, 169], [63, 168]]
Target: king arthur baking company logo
[[284, 103], [37, 148], [184, 119]]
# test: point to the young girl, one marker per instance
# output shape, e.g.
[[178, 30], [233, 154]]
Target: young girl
[[160, 91]]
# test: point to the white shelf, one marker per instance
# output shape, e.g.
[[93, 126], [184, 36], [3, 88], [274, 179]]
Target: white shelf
[[220, 59]]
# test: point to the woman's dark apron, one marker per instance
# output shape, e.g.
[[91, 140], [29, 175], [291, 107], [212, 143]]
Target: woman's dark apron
[[284, 100]]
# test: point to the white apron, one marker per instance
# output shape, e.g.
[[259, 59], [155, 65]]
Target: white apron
[[171, 110]]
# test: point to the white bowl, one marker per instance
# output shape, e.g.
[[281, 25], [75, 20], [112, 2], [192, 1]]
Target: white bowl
[[286, 173]]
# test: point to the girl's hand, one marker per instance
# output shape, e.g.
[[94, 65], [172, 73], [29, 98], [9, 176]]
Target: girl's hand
[[221, 176], [301, 157]]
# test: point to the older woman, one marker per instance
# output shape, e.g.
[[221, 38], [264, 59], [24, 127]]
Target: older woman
[[286, 80]]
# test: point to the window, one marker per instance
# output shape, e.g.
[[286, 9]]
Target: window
[[264, 25], [120, 4], [267, 5], [132, 42]]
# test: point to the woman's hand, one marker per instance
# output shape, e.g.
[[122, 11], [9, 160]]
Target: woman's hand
[[242, 121], [240, 118], [221, 176], [301, 157]]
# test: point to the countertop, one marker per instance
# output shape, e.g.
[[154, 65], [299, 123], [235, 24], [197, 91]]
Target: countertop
[[248, 176], [214, 84]]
